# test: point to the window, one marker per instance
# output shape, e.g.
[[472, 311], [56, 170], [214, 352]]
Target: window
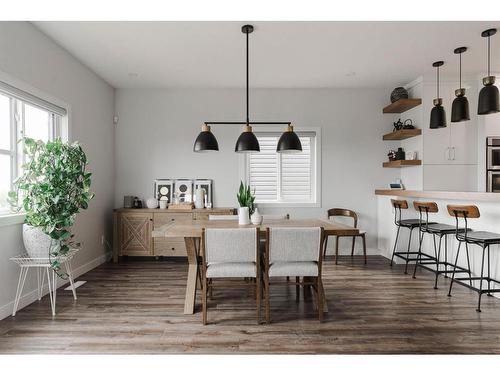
[[284, 179], [22, 114]]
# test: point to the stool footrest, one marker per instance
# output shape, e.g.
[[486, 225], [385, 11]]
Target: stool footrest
[[405, 256]]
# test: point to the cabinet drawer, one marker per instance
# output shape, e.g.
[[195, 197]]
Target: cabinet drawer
[[173, 247], [204, 215], [161, 218]]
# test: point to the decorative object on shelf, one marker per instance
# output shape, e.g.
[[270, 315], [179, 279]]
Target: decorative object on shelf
[[53, 188], [460, 105], [289, 142], [411, 155], [438, 115], [398, 125], [207, 186], [199, 197], [164, 189], [247, 141], [488, 96], [137, 202], [391, 155], [408, 124], [151, 203], [400, 154], [128, 201], [163, 204], [256, 217], [184, 206], [246, 201], [184, 190], [398, 93]]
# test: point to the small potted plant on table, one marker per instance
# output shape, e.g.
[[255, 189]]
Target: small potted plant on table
[[246, 200]]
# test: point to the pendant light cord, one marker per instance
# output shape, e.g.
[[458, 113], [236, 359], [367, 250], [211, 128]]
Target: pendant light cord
[[460, 70], [488, 55], [248, 117], [437, 82]]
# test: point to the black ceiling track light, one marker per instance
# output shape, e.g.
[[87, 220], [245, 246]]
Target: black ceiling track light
[[460, 105], [488, 96], [247, 141], [438, 115]]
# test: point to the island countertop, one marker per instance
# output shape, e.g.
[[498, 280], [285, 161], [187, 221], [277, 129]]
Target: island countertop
[[473, 196]]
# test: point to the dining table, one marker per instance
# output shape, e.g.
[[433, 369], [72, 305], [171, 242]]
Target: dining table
[[191, 231]]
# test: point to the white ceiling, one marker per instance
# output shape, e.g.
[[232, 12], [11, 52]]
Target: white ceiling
[[282, 54]]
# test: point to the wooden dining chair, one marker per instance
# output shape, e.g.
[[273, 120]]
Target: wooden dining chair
[[343, 212], [229, 253]]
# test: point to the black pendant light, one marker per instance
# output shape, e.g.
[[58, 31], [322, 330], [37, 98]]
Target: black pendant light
[[460, 106], [205, 141], [289, 142], [438, 115], [488, 96]]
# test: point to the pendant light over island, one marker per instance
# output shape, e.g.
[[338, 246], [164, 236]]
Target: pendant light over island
[[438, 115], [488, 96]]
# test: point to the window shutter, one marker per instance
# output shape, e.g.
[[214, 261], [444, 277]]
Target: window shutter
[[263, 169], [296, 173]]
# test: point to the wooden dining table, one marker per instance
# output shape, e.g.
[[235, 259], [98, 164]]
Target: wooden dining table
[[191, 231]]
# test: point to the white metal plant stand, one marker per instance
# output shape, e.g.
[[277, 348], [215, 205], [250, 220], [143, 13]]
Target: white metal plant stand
[[43, 268]]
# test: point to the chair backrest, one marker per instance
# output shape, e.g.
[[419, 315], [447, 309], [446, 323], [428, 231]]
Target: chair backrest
[[222, 245], [399, 203], [344, 212], [463, 211], [222, 217], [275, 217], [431, 207], [294, 244]]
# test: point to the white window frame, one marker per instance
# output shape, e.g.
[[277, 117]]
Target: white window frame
[[316, 178], [60, 127]]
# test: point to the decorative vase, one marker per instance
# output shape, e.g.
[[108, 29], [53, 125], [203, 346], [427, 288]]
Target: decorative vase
[[151, 203], [36, 242], [243, 216], [400, 154], [256, 217], [199, 201], [398, 93]]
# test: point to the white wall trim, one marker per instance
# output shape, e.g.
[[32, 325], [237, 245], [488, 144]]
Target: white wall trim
[[11, 219], [32, 296]]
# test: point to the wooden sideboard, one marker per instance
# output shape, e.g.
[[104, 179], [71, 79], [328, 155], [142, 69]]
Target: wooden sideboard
[[132, 230]]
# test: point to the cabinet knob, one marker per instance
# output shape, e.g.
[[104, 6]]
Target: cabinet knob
[[173, 248], [172, 219]]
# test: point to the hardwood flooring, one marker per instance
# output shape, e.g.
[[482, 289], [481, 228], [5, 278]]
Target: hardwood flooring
[[137, 307]]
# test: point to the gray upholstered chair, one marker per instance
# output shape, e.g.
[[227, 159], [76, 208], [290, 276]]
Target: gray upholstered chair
[[294, 252], [230, 253]]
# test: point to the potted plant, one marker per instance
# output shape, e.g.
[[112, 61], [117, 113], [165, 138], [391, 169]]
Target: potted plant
[[53, 188], [246, 200]]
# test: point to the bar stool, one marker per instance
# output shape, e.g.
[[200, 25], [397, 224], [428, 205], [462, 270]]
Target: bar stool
[[411, 224], [480, 238], [440, 230]]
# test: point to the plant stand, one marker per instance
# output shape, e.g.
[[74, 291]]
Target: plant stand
[[43, 268]]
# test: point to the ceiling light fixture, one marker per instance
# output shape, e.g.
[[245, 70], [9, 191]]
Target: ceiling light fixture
[[247, 141], [438, 115], [460, 105], [488, 96]]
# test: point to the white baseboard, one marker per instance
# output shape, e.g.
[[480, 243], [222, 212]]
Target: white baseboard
[[32, 296]]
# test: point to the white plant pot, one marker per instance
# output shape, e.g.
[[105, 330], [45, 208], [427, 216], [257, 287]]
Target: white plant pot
[[256, 217], [243, 216], [36, 243]]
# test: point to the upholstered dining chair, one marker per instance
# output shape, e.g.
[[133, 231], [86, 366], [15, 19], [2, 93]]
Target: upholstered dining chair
[[294, 252], [332, 213], [230, 253]]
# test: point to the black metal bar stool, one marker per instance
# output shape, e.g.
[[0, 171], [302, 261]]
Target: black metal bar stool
[[411, 224], [437, 230], [480, 238]]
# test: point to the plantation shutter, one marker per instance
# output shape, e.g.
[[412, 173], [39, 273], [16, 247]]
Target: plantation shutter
[[296, 173], [263, 170]]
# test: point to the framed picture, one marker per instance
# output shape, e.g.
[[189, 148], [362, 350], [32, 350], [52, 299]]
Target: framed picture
[[184, 190], [164, 190], [207, 186]]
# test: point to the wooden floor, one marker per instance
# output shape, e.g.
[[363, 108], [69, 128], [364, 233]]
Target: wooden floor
[[136, 307]]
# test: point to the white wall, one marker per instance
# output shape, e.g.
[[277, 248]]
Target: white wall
[[157, 128], [31, 57]]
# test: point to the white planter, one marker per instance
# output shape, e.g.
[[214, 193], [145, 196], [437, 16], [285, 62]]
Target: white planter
[[243, 216], [256, 217], [36, 243]]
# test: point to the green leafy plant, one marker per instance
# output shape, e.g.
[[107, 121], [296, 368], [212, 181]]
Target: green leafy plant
[[53, 188], [245, 197]]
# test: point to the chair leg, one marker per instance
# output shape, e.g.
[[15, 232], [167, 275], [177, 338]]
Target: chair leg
[[468, 262], [336, 250], [481, 281], [204, 299], [364, 245], [353, 244], [325, 247], [319, 288], [408, 252], [297, 288], [446, 257], [489, 278], [419, 256], [454, 269], [395, 245], [268, 307], [438, 256], [258, 296]]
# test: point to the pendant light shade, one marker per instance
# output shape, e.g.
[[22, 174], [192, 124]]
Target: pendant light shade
[[460, 105], [205, 141], [488, 96], [247, 141], [438, 115], [289, 142]]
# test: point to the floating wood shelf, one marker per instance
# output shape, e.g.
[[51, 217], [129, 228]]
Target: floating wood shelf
[[402, 134], [401, 163], [402, 105]]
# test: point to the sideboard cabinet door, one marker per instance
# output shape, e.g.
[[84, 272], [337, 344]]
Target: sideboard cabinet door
[[135, 234]]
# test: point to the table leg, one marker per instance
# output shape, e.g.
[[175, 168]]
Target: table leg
[[192, 255]]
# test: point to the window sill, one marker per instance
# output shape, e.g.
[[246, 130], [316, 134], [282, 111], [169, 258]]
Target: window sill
[[287, 204], [11, 219]]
